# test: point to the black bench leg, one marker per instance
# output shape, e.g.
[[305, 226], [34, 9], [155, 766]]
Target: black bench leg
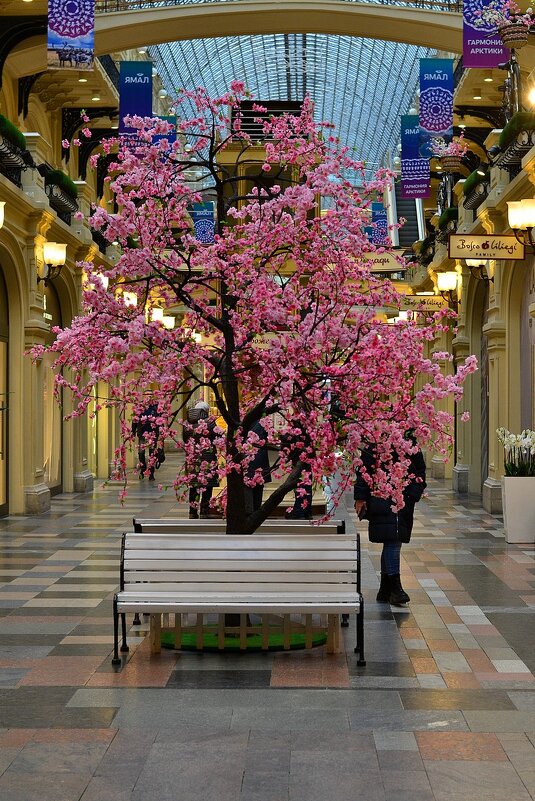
[[345, 621], [136, 621], [116, 658], [124, 645], [359, 648]]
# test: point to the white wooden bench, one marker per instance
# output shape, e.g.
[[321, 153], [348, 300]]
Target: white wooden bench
[[163, 525], [265, 574]]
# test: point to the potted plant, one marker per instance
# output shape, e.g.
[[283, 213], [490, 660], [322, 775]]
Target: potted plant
[[518, 485], [448, 219], [450, 153], [12, 144], [476, 188], [512, 23]]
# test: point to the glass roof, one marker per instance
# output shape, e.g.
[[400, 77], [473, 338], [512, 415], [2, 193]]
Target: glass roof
[[361, 85]]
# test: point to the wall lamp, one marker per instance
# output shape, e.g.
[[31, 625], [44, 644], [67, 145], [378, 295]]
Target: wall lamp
[[54, 257], [447, 287], [478, 269], [521, 216], [2, 207]]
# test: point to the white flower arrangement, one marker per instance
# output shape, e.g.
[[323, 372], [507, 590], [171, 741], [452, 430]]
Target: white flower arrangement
[[499, 13], [519, 452]]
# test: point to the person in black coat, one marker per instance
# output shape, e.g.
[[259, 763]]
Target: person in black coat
[[260, 461], [147, 432], [389, 527]]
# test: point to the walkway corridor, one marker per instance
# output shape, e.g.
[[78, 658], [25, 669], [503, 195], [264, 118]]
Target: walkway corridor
[[444, 709]]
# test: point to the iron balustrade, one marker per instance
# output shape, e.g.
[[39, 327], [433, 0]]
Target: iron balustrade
[[109, 6]]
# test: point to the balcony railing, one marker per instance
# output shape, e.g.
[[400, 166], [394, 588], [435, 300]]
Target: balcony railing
[[107, 6]]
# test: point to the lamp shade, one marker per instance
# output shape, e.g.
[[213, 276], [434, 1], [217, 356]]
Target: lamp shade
[[168, 321], [521, 214], [157, 315], [130, 298], [54, 253], [446, 282], [2, 206], [104, 280]]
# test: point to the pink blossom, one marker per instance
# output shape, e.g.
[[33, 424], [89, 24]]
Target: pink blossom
[[86, 132], [65, 144], [465, 416]]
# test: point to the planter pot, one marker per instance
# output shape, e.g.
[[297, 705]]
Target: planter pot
[[514, 35], [518, 498], [451, 163]]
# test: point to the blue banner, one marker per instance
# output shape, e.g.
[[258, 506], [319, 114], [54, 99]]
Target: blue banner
[[482, 46], [436, 102], [202, 215], [135, 92], [71, 33], [171, 136], [379, 224], [415, 171]]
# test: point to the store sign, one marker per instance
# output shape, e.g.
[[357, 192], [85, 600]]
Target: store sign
[[384, 262], [490, 246], [202, 215], [428, 303]]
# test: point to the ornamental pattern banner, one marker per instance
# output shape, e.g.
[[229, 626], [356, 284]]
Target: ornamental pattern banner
[[379, 233], [202, 215], [436, 102], [482, 47], [415, 171], [71, 34]]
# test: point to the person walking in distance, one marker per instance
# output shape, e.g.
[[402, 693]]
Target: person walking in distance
[[201, 459]]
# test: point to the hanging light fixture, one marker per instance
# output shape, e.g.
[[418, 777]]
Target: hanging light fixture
[[447, 287], [478, 269], [54, 257], [521, 217], [168, 321], [157, 315]]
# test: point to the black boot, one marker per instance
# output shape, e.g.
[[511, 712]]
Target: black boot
[[384, 590], [397, 593]]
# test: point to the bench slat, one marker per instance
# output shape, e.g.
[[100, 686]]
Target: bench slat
[[170, 540], [239, 565], [170, 576], [239, 553], [171, 588]]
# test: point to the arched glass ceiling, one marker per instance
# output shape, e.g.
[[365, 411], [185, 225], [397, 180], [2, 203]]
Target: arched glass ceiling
[[361, 85]]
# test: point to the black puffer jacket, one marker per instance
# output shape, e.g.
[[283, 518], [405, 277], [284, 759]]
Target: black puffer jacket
[[385, 525]]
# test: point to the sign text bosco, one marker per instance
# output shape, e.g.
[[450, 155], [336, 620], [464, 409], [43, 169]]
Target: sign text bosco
[[484, 247]]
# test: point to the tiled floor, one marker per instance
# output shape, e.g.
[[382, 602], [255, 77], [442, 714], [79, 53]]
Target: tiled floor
[[444, 709]]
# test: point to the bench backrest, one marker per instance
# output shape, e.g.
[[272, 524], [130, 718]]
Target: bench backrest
[[163, 525], [263, 563]]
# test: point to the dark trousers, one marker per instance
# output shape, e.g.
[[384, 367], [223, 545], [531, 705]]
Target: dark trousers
[[199, 500], [143, 461], [302, 509], [390, 558], [253, 499]]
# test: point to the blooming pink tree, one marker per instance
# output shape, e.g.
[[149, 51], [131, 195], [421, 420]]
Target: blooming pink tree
[[283, 300]]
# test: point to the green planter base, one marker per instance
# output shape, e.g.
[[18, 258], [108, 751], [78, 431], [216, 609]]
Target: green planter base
[[232, 644]]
